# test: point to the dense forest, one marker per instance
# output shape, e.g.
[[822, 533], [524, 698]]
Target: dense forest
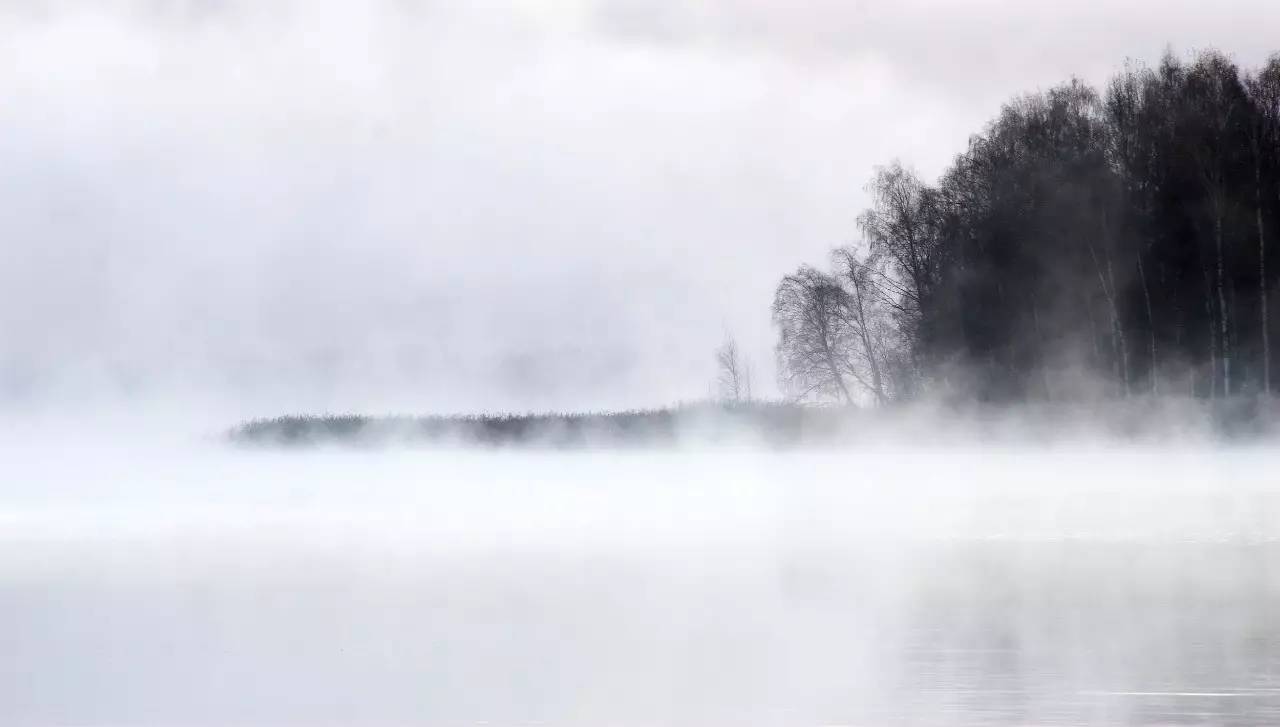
[[1087, 243]]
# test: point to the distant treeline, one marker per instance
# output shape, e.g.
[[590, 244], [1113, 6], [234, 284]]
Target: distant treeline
[[786, 425], [706, 423], [1086, 243]]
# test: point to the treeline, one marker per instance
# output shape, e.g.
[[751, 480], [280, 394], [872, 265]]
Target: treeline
[[1088, 242], [757, 422]]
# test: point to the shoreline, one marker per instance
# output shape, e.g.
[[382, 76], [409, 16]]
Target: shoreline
[[785, 425]]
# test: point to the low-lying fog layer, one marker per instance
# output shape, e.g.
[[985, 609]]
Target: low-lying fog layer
[[203, 585]]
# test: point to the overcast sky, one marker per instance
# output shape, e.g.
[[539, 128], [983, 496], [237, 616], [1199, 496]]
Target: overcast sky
[[497, 205]]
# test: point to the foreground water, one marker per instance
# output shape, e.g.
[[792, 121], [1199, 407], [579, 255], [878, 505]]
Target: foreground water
[[199, 586]]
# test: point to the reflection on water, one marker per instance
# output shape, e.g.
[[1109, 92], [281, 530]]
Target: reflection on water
[[761, 602], [1104, 644]]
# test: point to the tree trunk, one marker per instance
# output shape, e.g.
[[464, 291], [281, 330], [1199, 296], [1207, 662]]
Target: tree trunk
[[1213, 335], [1093, 331], [1262, 274], [1118, 325], [1044, 373], [1151, 323], [877, 382], [1107, 282], [1222, 303], [835, 371]]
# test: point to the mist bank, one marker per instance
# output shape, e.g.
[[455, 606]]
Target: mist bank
[[205, 586], [786, 425]]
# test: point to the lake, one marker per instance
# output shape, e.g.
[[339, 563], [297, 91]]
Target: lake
[[191, 584]]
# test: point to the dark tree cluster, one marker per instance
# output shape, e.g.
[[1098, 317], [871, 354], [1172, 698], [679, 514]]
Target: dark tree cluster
[[707, 423], [1087, 242]]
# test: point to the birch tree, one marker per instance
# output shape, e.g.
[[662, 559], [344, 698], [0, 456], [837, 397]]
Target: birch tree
[[733, 377], [1264, 141], [901, 228], [1214, 110], [1132, 110], [835, 335], [815, 339]]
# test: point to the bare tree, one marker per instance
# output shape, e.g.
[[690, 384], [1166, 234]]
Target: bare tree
[[1264, 138], [733, 380], [1214, 78], [836, 337], [810, 309], [899, 226], [1128, 107], [1107, 283], [902, 229], [866, 300]]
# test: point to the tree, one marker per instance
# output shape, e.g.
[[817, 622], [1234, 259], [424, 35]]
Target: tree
[[733, 380], [866, 284], [1133, 123], [811, 311], [1112, 233], [835, 338], [901, 227], [1264, 142], [1213, 97]]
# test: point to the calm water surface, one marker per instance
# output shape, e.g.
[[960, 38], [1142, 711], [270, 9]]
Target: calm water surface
[[1087, 586]]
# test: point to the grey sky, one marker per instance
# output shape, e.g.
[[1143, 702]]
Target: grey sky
[[508, 205]]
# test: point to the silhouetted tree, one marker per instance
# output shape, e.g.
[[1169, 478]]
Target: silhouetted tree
[[1114, 232], [1214, 95], [812, 312], [836, 335], [733, 378], [870, 292], [1264, 138], [901, 227]]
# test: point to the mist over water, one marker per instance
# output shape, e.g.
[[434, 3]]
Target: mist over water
[[196, 584], [219, 211]]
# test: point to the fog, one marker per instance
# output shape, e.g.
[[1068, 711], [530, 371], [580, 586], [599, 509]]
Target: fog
[[419, 206], [190, 584], [217, 210]]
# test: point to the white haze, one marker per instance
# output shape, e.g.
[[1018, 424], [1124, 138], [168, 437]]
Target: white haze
[[415, 205], [216, 210], [185, 583]]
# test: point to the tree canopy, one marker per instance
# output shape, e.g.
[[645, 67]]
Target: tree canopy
[[1107, 242]]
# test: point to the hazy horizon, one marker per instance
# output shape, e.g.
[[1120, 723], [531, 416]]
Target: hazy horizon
[[1058, 506], [411, 206]]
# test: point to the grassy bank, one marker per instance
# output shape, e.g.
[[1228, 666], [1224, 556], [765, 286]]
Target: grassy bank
[[755, 423], [786, 424]]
